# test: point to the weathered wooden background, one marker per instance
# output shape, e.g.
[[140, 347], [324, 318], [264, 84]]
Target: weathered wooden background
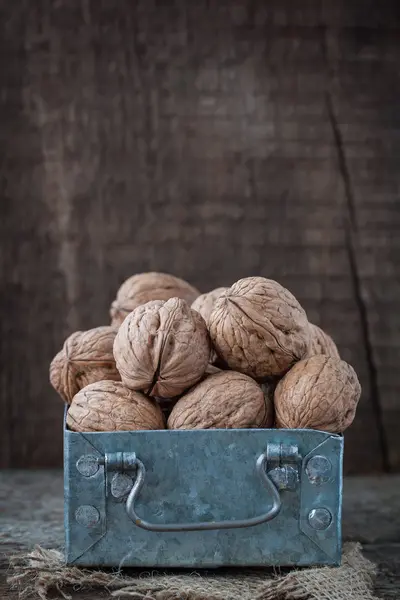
[[212, 139]]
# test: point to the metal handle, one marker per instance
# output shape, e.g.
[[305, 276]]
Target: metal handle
[[205, 525]]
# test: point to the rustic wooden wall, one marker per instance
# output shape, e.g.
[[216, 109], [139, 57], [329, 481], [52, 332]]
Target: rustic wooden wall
[[212, 139]]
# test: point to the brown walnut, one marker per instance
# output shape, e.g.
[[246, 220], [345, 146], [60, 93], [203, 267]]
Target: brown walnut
[[211, 370], [204, 304], [110, 406], [258, 328], [225, 400], [322, 343], [86, 357], [320, 392], [162, 348], [144, 287]]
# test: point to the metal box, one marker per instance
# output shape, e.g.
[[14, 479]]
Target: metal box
[[203, 498]]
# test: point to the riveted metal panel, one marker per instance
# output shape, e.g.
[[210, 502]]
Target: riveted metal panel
[[203, 476]]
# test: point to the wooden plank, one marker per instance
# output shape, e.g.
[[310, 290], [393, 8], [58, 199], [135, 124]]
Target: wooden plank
[[194, 139], [387, 558], [32, 291], [368, 124], [31, 508], [370, 513]]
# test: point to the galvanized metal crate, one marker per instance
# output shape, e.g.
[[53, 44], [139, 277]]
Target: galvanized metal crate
[[203, 498]]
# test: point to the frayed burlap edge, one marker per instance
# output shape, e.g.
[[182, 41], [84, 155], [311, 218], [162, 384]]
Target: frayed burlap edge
[[43, 571]]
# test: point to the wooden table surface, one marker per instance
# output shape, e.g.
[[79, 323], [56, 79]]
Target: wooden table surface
[[31, 512]]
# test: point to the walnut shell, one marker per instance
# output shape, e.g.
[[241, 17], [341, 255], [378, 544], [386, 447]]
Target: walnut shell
[[142, 288], [211, 370], [322, 343], [110, 406], [86, 357], [320, 392], [226, 400], [162, 348], [204, 304], [258, 328]]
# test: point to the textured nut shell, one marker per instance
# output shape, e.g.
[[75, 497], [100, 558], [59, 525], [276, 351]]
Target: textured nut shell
[[110, 406], [212, 370], [320, 392], [226, 400], [322, 343], [86, 357], [144, 287], [162, 348], [258, 328], [204, 304]]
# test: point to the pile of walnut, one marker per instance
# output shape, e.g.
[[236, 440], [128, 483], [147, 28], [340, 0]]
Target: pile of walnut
[[239, 357]]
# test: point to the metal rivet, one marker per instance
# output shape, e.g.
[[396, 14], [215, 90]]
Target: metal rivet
[[87, 465], [87, 515], [318, 469], [121, 485], [319, 518]]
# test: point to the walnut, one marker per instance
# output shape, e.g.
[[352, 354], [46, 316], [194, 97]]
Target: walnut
[[167, 404], [204, 304], [110, 406], [320, 392], [322, 343], [226, 400], [162, 348], [211, 370], [144, 287], [86, 357], [258, 328]]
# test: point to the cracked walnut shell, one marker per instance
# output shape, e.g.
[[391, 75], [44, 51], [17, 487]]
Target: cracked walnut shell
[[110, 406], [259, 328], [162, 348], [320, 392], [225, 400], [322, 343], [86, 357], [144, 287]]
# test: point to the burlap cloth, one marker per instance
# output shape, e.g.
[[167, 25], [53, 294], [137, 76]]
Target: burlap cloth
[[43, 571]]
